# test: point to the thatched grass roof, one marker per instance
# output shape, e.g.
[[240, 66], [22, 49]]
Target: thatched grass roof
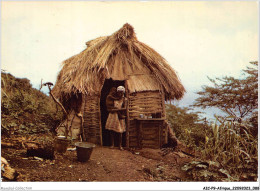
[[120, 57]]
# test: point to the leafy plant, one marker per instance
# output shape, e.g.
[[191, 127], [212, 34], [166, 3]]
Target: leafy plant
[[232, 145], [231, 141], [206, 171]]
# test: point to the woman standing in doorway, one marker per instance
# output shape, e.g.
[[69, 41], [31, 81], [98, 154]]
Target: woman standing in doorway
[[115, 103]]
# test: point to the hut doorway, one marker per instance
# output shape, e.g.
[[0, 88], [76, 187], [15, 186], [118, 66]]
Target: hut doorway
[[108, 84]]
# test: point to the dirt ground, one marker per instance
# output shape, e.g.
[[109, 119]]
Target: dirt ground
[[105, 164]]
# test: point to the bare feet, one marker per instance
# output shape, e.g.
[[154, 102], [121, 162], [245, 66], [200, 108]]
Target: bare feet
[[121, 148]]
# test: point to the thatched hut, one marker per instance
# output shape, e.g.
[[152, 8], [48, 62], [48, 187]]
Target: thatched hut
[[120, 59]]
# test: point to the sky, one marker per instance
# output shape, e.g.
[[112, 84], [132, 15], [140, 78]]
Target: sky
[[199, 39]]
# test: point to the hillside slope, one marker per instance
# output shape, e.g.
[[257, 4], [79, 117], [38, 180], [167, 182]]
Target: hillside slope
[[25, 110]]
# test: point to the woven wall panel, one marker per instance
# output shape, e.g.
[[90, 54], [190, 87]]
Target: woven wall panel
[[146, 103], [91, 119]]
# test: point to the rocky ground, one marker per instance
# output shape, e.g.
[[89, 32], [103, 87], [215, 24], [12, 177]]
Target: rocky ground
[[105, 164]]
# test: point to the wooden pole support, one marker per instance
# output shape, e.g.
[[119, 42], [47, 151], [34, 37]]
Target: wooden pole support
[[63, 109]]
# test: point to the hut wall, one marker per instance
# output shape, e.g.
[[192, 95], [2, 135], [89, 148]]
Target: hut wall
[[74, 125], [91, 119], [74, 122], [146, 105]]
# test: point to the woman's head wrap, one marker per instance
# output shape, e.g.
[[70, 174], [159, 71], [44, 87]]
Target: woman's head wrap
[[120, 89]]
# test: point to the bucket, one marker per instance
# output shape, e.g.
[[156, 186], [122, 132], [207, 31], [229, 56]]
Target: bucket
[[84, 150], [61, 144]]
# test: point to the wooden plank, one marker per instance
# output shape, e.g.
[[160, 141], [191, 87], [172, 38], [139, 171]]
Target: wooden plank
[[151, 130], [133, 144], [150, 127], [160, 133], [140, 134], [133, 139], [136, 100], [150, 141], [150, 137], [143, 97], [151, 144], [156, 120], [147, 98], [132, 132], [150, 133]]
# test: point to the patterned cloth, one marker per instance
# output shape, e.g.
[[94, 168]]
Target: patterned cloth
[[113, 122]]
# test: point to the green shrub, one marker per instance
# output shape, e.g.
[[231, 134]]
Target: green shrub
[[232, 145], [187, 125], [24, 109]]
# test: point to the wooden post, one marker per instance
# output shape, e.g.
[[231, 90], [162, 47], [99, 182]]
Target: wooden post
[[139, 127], [83, 136], [163, 104], [99, 113], [63, 109], [127, 114], [165, 128], [164, 116], [100, 125]]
